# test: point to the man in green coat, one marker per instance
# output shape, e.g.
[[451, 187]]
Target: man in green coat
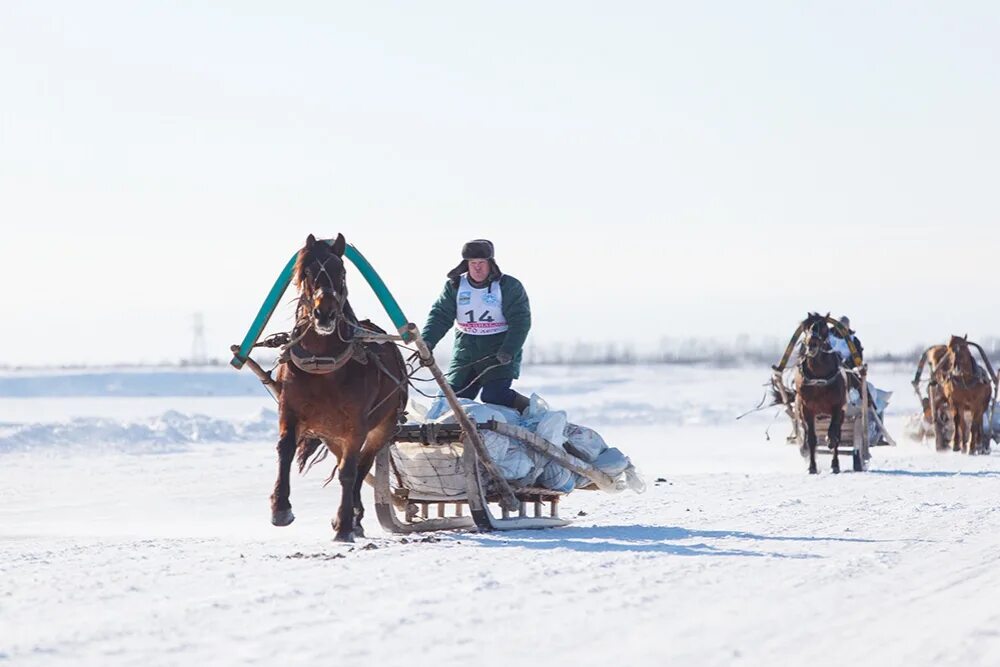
[[491, 315]]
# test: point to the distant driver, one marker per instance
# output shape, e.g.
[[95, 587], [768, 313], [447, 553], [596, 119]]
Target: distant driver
[[840, 346]]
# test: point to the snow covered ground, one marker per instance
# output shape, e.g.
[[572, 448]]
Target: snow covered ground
[[134, 529]]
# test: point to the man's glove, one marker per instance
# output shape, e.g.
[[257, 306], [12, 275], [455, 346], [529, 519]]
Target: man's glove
[[504, 358]]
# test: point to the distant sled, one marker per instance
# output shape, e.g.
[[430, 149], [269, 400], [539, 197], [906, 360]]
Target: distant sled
[[957, 388], [861, 428]]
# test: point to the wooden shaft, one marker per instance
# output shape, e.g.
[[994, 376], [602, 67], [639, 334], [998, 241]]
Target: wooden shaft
[[564, 458], [920, 371], [784, 401], [881, 427], [507, 499], [996, 387], [863, 375], [788, 350], [264, 376]]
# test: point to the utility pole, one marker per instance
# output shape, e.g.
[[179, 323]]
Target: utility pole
[[199, 352]]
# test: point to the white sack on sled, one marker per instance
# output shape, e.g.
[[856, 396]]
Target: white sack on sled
[[517, 461], [584, 443], [878, 400], [993, 429]]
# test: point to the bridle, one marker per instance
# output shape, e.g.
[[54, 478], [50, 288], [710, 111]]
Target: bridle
[[309, 295], [806, 353], [306, 321], [823, 348]]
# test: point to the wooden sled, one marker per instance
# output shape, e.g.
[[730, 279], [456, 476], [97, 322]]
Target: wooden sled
[[853, 429], [428, 479], [852, 439]]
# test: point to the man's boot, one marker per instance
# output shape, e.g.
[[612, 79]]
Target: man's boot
[[521, 402]]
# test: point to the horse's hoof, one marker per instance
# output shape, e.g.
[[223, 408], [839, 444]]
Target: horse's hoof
[[359, 531], [813, 471], [282, 517], [347, 537]]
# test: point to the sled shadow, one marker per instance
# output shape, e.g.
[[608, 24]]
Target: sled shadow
[[646, 539], [936, 473]]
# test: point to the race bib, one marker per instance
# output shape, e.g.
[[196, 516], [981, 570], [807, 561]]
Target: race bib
[[480, 310]]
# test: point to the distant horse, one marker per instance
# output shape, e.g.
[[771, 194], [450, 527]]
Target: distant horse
[[967, 388], [820, 387], [334, 389], [938, 413]]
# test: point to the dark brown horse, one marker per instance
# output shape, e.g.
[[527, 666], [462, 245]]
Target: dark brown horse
[[334, 389], [966, 388], [820, 387]]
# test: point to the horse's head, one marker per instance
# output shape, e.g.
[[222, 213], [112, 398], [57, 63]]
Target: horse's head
[[321, 279], [960, 355], [817, 334]]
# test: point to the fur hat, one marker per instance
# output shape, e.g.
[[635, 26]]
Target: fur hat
[[478, 249], [475, 249]]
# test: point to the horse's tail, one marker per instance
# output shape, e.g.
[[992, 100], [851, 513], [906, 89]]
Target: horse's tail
[[307, 448]]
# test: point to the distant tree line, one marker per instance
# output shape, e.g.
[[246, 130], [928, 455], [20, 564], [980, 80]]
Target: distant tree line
[[741, 350]]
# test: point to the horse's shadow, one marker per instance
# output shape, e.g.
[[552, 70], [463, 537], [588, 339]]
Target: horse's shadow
[[646, 539]]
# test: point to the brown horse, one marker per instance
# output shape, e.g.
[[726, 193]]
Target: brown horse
[[966, 388], [820, 387], [334, 389]]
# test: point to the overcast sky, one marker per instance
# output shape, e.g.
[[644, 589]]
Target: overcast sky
[[646, 169]]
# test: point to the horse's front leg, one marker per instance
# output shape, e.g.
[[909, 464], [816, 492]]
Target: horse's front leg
[[281, 506], [376, 439], [833, 436], [365, 462], [343, 524], [810, 420]]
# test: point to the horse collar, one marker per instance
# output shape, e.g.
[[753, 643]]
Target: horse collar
[[317, 365]]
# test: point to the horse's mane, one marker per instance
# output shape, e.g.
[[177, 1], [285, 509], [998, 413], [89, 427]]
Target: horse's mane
[[813, 318], [299, 272], [958, 350]]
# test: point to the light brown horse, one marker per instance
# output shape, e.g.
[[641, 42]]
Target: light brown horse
[[333, 388], [966, 388], [935, 405]]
